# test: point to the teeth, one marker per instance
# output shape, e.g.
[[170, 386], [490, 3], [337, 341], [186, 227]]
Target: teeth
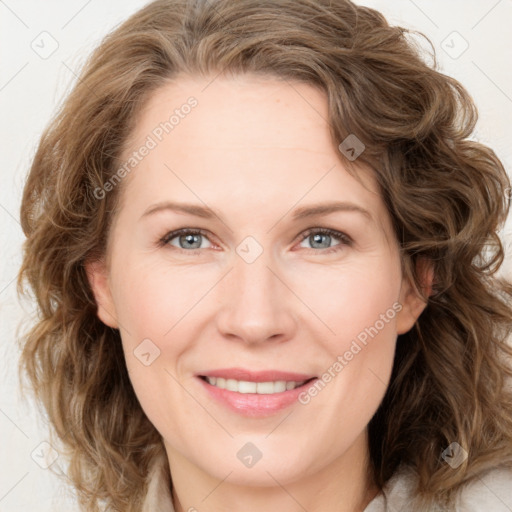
[[261, 388]]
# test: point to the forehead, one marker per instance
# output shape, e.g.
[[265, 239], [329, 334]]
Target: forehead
[[250, 141], [234, 110]]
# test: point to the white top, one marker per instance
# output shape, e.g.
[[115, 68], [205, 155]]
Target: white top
[[490, 493]]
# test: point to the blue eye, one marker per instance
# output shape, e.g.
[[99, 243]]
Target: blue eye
[[191, 240], [187, 239], [321, 238]]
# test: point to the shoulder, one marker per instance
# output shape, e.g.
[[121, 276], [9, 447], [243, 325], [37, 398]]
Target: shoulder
[[158, 494], [491, 492]]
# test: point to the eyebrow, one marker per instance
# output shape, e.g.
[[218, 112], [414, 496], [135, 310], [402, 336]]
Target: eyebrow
[[300, 213], [326, 208], [191, 209]]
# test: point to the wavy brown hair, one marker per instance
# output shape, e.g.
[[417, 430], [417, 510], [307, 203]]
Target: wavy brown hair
[[446, 195]]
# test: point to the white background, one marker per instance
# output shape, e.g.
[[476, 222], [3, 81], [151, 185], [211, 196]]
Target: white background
[[30, 89]]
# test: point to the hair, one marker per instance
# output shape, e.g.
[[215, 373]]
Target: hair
[[447, 197]]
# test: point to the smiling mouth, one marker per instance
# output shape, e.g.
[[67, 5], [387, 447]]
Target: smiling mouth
[[260, 388]]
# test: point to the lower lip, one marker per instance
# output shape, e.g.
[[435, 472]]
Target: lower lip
[[254, 404]]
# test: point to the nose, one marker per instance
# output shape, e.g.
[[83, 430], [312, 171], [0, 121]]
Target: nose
[[256, 304]]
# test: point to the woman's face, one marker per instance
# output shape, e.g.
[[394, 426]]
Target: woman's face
[[256, 293]]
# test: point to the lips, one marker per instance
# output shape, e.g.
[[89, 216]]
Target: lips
[[256, 376], [249, 404]]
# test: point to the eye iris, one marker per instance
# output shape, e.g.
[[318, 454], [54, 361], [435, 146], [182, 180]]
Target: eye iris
[[190, 239], [193, 240], [317, 238]]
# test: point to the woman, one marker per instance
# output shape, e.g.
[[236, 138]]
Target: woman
[[264, 252]]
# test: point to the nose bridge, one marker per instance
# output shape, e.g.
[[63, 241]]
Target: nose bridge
[[254, 303], [254, 281]]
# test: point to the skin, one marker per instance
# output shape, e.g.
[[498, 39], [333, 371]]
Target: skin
[[254, 150]]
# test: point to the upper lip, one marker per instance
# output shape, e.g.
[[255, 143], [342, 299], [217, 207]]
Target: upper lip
[[256, 376]]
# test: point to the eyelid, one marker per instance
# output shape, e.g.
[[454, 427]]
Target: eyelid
[[343, 238], [182, 231], [334, 233], [164, 241]]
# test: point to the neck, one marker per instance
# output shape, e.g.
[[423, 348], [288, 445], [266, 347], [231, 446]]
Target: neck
[[342, 485]]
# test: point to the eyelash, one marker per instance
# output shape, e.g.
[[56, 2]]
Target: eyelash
[[345, 240]]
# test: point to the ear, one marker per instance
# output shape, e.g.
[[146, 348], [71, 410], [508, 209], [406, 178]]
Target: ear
[[97, 274], [411, 299]]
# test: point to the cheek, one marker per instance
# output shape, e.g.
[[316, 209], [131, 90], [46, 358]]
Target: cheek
[[151, 299], [149, 306], [360, 306], [368, 326], [156, 312], [348, 299]]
